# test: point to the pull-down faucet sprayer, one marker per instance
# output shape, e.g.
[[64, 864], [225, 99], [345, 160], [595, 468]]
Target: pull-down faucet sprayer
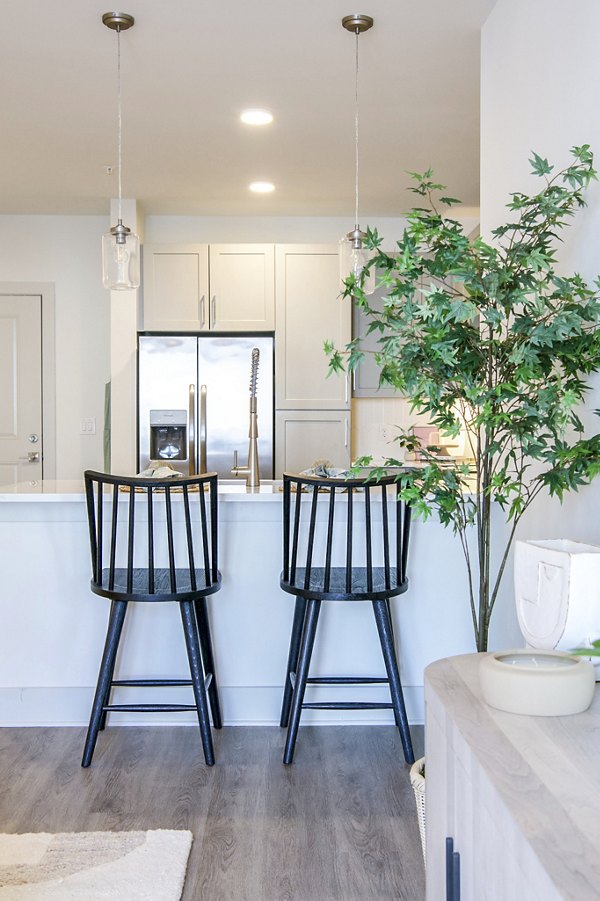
[[251, 470]]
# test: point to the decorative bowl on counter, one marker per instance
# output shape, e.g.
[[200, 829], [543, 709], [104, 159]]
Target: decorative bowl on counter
[[537, 683]]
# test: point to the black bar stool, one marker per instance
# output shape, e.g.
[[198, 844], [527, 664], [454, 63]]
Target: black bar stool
[[124, 570], [342, 533]]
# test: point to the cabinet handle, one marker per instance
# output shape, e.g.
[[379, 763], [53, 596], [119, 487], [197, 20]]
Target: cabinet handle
[[202, 312], [452, 872], [346, 432], [456, 876], [213, 312], [347, 382], [354, 380]]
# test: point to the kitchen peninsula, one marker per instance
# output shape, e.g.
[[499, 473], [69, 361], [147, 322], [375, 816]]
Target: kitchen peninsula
[[54, 627]]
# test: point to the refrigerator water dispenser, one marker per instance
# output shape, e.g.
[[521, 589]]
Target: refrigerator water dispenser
[[168, 435]]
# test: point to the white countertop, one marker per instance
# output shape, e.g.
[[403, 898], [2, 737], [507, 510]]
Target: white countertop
[[57, 491]]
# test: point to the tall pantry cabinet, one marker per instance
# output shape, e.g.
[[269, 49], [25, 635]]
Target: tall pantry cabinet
[[312, 408]]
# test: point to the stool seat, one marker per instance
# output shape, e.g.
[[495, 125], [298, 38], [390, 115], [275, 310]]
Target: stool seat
[[349, 549], [331, 585], [178, 524], [163, 589]]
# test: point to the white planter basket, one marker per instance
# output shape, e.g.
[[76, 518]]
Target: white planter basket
[[417, 779]]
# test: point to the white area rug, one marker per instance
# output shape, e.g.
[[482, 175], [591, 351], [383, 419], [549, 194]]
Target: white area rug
[[91, 866]]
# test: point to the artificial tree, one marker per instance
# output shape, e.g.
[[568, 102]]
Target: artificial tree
[[492, 340]]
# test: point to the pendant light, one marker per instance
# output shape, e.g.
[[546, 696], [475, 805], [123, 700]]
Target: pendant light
[[120, 246], [354, 255]]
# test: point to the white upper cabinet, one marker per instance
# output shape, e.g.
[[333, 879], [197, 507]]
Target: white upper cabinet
[[309, 312], [175, 287], [194, 288], [242, 287]]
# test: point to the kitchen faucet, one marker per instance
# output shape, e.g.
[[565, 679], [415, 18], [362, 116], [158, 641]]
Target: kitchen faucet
[[251, 470]]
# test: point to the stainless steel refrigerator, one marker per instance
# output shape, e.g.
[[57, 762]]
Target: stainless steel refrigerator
[[193, 402]]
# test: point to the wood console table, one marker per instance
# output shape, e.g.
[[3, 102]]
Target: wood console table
[[518, 795]]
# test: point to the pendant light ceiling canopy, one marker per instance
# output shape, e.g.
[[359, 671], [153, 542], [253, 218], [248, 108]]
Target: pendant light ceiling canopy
[[120, 246], [354, 255], [357, 23]]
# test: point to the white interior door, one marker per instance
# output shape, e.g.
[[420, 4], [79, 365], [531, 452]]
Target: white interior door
[[20, 388]]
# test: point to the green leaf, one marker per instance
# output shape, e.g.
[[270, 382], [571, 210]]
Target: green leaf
[[539, 165]]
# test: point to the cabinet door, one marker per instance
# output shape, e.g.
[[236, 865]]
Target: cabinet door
[[242, 287], [303, 436], [309, 312], [175, 288], [365, 378]]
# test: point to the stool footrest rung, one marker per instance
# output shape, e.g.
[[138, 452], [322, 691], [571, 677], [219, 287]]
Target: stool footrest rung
[[342, 680], [348, 680], [152, 683], [159, 683], [148, 708], [347, 705]]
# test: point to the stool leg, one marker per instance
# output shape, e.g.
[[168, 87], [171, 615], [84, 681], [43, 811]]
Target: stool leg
[[292, 664], [389, 610], [108, 688], [382, 619], [111, 645], [306, 648], [190, 630], [208, 660]]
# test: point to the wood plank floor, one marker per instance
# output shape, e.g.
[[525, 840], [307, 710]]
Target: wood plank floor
[[337, 825]]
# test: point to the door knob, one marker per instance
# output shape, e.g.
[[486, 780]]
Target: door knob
[[32, 457]]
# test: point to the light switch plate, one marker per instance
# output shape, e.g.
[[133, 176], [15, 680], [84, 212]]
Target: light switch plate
[[88, 426]]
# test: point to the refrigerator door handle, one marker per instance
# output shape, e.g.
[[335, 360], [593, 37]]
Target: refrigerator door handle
[[202, 434], [192, 430]]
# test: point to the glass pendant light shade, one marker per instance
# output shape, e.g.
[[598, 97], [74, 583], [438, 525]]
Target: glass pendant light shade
[[354, 257], [120, 259]]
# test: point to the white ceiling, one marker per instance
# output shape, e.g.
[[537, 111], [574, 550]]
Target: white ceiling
[[190, 67]]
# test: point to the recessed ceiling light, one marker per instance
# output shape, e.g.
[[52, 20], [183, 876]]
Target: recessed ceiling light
[[256, 117], [262, 187]]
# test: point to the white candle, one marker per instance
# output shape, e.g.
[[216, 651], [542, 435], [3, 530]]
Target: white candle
[[536, 660]]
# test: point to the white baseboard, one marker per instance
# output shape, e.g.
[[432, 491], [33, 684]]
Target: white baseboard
[[242, 706]]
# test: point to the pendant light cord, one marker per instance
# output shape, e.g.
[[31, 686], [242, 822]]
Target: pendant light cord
[[119, 121], [356, 134]]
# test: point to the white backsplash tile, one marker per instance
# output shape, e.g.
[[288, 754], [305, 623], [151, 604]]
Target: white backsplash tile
[[374, 423]]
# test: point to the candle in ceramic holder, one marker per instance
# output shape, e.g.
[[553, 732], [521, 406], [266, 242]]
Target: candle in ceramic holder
[[537, 683]]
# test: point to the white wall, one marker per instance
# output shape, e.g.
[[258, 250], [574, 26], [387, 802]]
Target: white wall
[[540, 89], [277, 230], [66, 251]]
